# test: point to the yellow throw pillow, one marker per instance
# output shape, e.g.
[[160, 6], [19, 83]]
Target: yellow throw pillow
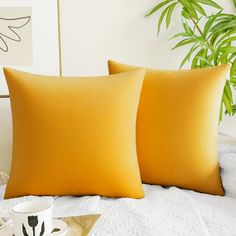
[[74, 136], [177, 127]]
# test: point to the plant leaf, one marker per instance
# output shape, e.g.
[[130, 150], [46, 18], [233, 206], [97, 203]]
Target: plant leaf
[[187, 29], [227, 91], [233, 82], [226, 36], [228, 40], [185, 14], [161, 19], [227, 104], [216, 57], [195, 59], [203, 62], [210, 3], [224, 25], [158, 6], [213, 38], [233, 109], [228, 49], [182, 34], [233, 55], [187, 57], [183, 42], [169, 14], [221, 110], [199, 8], [224, 55], [233, 69], [209, 23], [203, 59], [189, 8]]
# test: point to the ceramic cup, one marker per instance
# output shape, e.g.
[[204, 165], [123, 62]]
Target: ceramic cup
[[32, 218]]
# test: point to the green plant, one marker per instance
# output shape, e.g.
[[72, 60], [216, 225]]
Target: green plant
[[211, 45]]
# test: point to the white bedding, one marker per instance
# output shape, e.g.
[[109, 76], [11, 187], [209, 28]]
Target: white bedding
[[163, 211], [218, 213]]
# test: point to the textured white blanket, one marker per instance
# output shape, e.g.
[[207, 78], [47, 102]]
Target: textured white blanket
[[218, 213], [227, 157], [162, 212]]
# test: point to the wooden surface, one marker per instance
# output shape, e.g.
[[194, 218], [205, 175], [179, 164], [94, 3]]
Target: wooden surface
[[81, 225]]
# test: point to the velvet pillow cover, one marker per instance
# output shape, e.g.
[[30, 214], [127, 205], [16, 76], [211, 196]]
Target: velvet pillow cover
[[74, 136], [177, 127]]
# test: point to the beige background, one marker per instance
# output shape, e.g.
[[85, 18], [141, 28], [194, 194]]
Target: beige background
[[19, 53]]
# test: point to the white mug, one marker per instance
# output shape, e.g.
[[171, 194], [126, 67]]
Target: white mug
[[32, 218]]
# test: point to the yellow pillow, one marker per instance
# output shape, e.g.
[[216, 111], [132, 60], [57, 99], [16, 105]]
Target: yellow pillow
[[177, 127], [74, 136]]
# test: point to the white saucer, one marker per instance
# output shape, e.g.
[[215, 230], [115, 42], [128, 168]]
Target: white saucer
[[59, 226]]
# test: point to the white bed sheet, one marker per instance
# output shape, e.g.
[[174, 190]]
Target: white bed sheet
[[218, 213], [163, 211]]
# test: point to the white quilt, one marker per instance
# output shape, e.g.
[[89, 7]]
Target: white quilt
[[163, 211], [218, 213]]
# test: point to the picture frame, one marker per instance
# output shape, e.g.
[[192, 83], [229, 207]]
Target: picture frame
[[46, 57]]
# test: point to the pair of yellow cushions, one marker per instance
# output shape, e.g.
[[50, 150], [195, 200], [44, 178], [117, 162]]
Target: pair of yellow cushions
[[79, 136]]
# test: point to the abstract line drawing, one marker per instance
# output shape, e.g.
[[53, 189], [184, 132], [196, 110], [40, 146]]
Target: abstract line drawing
[[7, 30]]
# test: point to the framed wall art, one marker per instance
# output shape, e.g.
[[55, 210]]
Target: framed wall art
[[29, 37], [16, 36]]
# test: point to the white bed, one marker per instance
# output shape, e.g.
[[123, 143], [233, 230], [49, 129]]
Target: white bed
[[163, 211]]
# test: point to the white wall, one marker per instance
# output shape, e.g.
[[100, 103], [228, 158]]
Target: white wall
[[94, 31]]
